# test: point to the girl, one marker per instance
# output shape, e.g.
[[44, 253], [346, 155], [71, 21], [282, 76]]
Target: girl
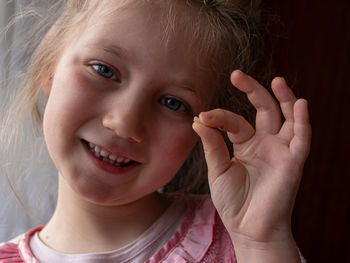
[[123, 81]]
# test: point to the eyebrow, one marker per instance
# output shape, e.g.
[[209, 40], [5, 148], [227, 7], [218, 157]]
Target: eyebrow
[[184, 84], [115, 50]]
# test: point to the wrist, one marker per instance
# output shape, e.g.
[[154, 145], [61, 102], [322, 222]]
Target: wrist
[[279, 250]]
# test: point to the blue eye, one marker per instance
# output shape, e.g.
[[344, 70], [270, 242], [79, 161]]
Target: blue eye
[[104, 71], [173, 104]]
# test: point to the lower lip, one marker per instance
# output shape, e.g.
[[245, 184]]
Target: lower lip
[[109, 168]]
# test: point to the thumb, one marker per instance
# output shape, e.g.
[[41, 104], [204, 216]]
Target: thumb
[[215, 150]]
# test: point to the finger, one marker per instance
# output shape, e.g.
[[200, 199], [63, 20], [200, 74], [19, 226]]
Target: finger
[[215, 150], [286, 99], [300, 144], [285, 96], [268, 117], [237, 128]]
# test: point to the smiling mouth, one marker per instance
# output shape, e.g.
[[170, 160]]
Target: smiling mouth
[[108, 157]]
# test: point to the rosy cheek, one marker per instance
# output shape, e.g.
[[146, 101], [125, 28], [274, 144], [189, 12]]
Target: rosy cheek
[[178, 142], [73, 93]]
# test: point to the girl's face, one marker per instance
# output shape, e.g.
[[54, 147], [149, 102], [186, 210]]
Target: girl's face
[[119, 87]]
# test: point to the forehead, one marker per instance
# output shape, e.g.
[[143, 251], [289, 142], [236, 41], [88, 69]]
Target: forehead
[[171, 20], [164, 31]]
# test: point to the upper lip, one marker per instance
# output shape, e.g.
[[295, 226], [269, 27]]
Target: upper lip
[[117, 151]]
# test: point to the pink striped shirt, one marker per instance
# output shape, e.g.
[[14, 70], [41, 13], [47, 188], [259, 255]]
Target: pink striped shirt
[[201, 237]]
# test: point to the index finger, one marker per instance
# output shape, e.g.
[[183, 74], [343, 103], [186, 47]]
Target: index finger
[[238, 129]]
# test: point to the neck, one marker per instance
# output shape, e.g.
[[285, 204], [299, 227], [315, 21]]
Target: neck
[[79, 226]]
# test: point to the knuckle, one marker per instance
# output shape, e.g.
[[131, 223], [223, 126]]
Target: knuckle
[[211, 150]]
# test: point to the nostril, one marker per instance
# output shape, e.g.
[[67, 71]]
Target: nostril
[[129, 137], [128, 128]]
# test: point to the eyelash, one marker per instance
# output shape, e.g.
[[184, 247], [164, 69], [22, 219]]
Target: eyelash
[[97, 68], [180, 107]]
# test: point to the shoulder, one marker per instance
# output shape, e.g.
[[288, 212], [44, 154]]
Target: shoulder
[[17, 249], [200, 238]]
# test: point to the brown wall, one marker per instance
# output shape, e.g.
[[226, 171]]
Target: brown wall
[[312, 50]]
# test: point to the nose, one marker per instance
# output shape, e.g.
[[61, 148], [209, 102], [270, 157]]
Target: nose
[[126, 122]]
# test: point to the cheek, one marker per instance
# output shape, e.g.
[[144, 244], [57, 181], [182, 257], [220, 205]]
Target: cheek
[[68, 107], [70, 97], [177, 143]]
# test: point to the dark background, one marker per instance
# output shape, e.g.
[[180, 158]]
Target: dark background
[[309, 42]]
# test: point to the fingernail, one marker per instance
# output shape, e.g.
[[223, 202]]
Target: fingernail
[[283, 79]]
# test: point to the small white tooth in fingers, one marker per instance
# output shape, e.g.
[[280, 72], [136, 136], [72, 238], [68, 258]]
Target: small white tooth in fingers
[[196, 119], [104, 153]]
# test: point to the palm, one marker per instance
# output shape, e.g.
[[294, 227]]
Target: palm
[[254, 183], [254, 192]]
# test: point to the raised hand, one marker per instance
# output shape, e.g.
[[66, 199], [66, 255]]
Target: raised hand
[[255, 191]]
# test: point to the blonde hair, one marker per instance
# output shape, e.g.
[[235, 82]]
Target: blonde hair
[[226, 31]]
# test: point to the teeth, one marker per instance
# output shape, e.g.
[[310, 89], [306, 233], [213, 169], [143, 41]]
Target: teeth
[[97, 149], [105, 156], [112, 157], [104, 153]]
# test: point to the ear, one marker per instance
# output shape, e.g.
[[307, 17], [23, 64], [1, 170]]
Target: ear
[[48, 58], [46, 85]]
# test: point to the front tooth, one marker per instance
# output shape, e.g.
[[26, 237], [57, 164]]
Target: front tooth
[[120, 159], [112, 157], [127, 160], [97, 149], [104, 153], [91, 145]]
